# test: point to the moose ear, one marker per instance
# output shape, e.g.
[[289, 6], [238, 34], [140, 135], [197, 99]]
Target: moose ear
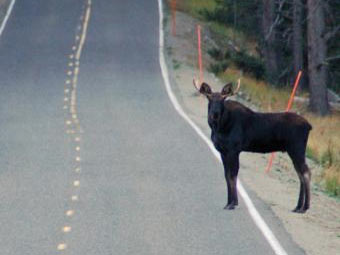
[[205, 89], [227, 90]]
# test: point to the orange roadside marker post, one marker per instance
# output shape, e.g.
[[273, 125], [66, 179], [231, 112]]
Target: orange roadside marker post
[[200, 65], [290, 102], [173, 17]]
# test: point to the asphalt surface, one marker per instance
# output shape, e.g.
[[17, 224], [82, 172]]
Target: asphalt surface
[[120, 174]]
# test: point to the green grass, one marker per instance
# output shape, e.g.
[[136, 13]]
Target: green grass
[[332, 186], [193, 7], [309, 154], [176, 64]]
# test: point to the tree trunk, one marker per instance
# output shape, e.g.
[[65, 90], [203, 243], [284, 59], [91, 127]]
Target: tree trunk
[[298, 40], [269, 35], [317, 50]]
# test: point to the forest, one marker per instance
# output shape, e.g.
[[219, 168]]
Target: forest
[[291, 35]]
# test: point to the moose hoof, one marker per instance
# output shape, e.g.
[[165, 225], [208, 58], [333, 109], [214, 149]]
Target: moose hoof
[[299, 210], [229, 207]]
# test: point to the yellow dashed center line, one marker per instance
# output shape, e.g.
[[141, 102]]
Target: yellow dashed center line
[[76, 183], [70, 104], [61, 246], [69, 213], [67, 229], [74, 198]]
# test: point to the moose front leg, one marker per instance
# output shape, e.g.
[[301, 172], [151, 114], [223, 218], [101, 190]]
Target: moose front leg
[[227, 179], [231, 166]]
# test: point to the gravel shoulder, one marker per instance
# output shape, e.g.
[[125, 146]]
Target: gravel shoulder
[[3, 9], [318, 231]]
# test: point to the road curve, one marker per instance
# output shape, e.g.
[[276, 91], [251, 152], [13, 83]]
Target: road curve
[[94, 158]]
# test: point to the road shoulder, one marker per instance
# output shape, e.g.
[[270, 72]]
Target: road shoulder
[[318, 231]]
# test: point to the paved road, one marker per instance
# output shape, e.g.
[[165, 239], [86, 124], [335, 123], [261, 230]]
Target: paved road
[[93, 157]]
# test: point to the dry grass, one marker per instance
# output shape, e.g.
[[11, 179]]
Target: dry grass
[[266, 97], [324, 146]]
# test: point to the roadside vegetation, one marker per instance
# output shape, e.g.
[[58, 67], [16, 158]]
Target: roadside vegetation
[[238, 51]]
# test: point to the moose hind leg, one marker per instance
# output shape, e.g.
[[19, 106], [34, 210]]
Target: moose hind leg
[[304, 176], [307, 177], [227, 178], [305, 186], [301, 194]]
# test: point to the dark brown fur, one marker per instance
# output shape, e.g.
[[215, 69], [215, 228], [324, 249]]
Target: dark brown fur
[[236, 128]]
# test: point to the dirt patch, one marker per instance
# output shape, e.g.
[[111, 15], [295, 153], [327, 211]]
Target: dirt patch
[[318, 231], [3, 9]]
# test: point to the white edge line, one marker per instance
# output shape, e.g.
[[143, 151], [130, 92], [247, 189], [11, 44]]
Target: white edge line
[[257, 218], [8, 13]]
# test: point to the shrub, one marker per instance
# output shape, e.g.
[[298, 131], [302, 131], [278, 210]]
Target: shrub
[[333, 186], [219, 67], [216, 54], [249, 64], [224, 13]]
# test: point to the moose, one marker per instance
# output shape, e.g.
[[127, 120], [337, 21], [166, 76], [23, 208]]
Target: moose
[[236, 128]]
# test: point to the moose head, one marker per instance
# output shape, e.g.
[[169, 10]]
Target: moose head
[[216, 99]]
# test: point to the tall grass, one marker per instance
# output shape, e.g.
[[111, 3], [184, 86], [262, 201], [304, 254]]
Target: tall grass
[[266, 97], [324, 144]]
